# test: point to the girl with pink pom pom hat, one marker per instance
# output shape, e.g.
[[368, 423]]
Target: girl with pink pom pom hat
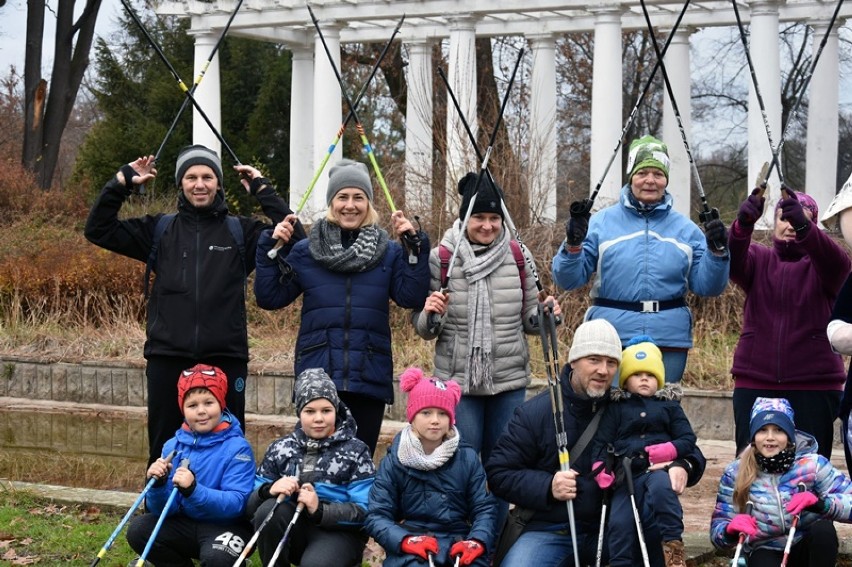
[[429, 499]]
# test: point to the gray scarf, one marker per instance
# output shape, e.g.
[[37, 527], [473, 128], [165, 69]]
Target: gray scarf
[[410, 450], [364, 254], [477, 264]]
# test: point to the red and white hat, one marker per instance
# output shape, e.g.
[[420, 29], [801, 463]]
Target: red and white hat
[[203, 376]]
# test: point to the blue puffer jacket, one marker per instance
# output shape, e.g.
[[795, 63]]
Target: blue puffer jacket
[[635, 256], [449, 502], [771, 492], [344, 328], [342, 474], [223, 465]]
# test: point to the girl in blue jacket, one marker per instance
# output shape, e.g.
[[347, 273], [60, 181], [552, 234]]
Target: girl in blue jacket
[[782, 475], [347, 270], [205, 521], [429, 498], [322, 467]]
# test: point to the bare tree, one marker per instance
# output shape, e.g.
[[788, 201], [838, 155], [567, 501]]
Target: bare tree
[[47, 108]]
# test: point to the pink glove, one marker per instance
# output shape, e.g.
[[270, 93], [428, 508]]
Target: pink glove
[[603, 478], [742, 524], [661, 452], [800, 501]]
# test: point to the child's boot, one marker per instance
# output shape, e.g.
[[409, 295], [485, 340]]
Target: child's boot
[[673, 553]]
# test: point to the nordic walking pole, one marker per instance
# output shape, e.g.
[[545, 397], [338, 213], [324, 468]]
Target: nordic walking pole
[[141, 561], [108, 545], [792, 534], [299, 507], [585, 206], [198, 79], [742, 538], [410, 239], [435, 321], [550, 347], [180, 82], [274, 251], [250, 545], [707, 214], [628, 475], [759, 97]]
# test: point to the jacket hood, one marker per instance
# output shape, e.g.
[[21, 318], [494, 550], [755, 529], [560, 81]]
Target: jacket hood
[[805, 443], [669, 392], [190, 438], [345, 428], [630, 203]]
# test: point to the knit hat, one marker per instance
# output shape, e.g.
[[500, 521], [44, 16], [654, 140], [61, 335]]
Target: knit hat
[[647, 151], [203, 376], [775, 411], [642, 355], [429, 392], [312, 384], [805, 200], [348, 173], [489, 197], [197, 155], [841, 202], [596, 337]]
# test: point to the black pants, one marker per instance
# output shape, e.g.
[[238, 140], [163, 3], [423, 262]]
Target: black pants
[[307, 545], [368, 414], [817, 549], [815, 412], [182, 539], [164, 414]]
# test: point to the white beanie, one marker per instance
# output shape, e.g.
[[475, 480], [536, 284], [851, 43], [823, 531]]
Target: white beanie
[[596, 337]]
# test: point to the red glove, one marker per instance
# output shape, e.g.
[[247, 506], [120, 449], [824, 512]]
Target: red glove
[[742, 524], [661, 452], [800, 501], [603, 478], [420, 545], [468, 550]]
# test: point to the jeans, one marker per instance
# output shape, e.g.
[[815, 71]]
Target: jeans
[[552, 549], [480, 421]]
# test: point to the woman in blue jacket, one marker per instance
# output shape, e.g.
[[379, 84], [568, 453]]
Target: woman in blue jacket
[[644, 257], [347, 270]]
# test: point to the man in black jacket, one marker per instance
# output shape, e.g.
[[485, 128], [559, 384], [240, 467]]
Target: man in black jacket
[[201, 257], [524, 466]]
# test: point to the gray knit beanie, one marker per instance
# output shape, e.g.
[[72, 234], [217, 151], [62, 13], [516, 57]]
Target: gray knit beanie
[[312, 384], [197, 155], [348, 173], [596, 337]]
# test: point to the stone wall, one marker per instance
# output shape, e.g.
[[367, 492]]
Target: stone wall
[[267, 393]]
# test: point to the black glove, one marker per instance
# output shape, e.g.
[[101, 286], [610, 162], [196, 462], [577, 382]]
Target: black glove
[[578, 222], [716, 234]]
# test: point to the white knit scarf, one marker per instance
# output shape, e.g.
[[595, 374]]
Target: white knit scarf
[[477, 265], [410, 451]]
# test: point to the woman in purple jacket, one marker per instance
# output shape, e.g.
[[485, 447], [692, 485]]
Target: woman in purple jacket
[[790, 287]]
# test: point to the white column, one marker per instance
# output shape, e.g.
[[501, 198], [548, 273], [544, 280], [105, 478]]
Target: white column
[[418, 128], [678, 70], [542, 164], [821, 178], [606, 105], [207, 94], [764, 48], [302, 140], [327, 111], [461, 157]]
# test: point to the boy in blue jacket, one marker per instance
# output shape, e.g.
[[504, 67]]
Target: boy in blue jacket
[[205, 521], [429, 498]]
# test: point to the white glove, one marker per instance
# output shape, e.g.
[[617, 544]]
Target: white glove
[[840, 336]]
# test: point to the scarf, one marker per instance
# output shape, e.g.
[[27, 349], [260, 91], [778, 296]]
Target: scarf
[[410, 450], [477, 264], [779, 463], [364, 254]]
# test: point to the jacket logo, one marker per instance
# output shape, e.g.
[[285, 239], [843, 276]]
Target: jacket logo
[[214, 248]]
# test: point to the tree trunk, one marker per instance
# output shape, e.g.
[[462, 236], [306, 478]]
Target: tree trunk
[[46, 120]]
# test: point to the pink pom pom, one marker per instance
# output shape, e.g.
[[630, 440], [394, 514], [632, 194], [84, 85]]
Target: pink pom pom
[[410, 378]]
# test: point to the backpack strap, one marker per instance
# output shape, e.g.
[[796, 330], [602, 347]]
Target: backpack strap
[[236, 230], [444, 256], [515, 246], [162, 223]]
